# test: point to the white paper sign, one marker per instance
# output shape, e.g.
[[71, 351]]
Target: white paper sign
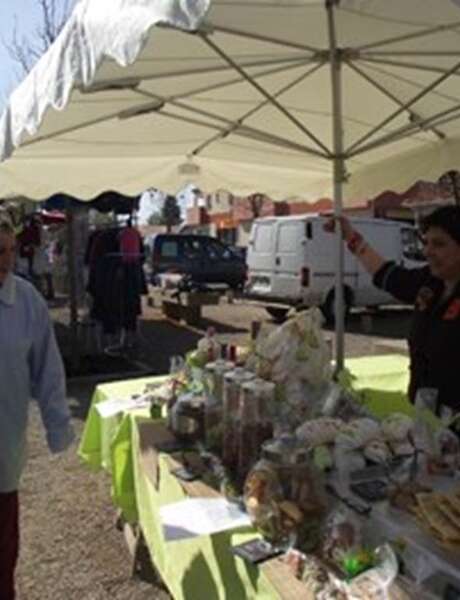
[[200, 516], [115, 406]]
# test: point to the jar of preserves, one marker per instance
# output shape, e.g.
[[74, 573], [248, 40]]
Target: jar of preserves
[[255, 425], [284, 494], [213, 409], [187, 418], [233, 380]]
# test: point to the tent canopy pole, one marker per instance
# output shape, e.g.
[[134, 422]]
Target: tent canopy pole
[[338, 168], [74, 351]]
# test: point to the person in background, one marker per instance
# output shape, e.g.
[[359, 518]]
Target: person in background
[[434, 290], [42, 267], [132, 283], [30, 366], [28, 242]]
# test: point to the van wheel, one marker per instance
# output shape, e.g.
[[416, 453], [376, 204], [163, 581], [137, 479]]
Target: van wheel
[[328, 307], [277, 314]]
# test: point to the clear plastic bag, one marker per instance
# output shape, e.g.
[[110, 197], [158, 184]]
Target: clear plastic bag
[[375, 583], [341, 535]]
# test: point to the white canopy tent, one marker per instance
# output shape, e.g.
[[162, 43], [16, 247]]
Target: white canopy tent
[[293, 97]]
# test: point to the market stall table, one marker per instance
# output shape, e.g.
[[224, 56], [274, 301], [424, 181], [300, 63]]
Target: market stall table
[[114, 444], [105, 442], [141, 483]]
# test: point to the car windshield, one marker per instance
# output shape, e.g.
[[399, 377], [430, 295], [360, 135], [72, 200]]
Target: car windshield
[[191, 248]]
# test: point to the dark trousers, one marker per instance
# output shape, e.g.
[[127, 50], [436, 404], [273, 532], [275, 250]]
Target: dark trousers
[[9, 543]]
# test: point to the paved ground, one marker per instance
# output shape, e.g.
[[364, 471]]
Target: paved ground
[[70, 547]]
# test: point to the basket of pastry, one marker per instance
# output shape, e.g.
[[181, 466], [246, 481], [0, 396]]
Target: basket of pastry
[[439, 515]]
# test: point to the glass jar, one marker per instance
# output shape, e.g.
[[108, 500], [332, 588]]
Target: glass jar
[[255, 425], [233, 380], [426, 404], [213, 409], [187, 418], [214, 377], [284, 495]]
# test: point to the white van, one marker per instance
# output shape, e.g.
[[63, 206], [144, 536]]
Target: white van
[[292, 261]]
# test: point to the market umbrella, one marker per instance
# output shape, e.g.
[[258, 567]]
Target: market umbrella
[[294, 97], [109, 201]]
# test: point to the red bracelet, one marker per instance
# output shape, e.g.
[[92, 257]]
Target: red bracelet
[[354, 242], [362, 248]]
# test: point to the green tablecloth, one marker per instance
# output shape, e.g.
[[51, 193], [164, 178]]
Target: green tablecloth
[[106, 443], [200, 567], [383, 381], [189, 567], [98, 434]]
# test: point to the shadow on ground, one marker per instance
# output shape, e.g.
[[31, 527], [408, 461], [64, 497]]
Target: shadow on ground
[[158, 340], [386, 323], [221, 328]]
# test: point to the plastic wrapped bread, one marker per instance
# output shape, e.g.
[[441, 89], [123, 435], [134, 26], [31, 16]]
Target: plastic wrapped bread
[[318, 432], [396, 427], [404, 448], [448, 446], [354, 460], [358, 433], [296, 350], [377, 451]]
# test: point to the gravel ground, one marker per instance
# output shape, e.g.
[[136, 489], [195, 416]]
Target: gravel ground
[[71, 549]]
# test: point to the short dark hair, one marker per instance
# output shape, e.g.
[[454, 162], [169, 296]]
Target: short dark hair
[[446, 218]]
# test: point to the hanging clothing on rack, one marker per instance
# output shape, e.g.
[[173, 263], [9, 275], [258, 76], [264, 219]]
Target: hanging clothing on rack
[[130, 245], [116, 279]]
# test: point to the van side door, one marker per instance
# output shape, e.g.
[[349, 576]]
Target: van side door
[[260, 258], [290, 248]]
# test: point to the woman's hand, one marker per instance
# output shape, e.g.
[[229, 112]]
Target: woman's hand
[[356, 244], [347, 229]]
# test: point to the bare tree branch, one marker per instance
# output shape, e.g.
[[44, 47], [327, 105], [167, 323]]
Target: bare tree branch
[[26, 49]]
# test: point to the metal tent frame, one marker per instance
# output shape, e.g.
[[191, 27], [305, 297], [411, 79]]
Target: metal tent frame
[[304, 63]]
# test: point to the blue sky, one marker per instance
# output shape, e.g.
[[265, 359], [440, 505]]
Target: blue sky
[[28, 17], [27, 14]]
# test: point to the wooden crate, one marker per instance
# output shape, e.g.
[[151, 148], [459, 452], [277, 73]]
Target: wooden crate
[[180, 312], [192, 298], [200, 298]]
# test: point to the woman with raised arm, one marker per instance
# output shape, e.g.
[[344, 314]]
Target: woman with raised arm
[[434, 290]]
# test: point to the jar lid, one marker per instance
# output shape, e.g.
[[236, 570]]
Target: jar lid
[[285, 450], [259, 385], [239, 375], [194, 404], [220, 365]]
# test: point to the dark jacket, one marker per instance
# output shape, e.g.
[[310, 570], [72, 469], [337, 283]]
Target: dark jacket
[[434, 339]]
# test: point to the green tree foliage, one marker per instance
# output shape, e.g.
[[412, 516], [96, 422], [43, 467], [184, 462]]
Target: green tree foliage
[[155, 218], [170, 213]]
